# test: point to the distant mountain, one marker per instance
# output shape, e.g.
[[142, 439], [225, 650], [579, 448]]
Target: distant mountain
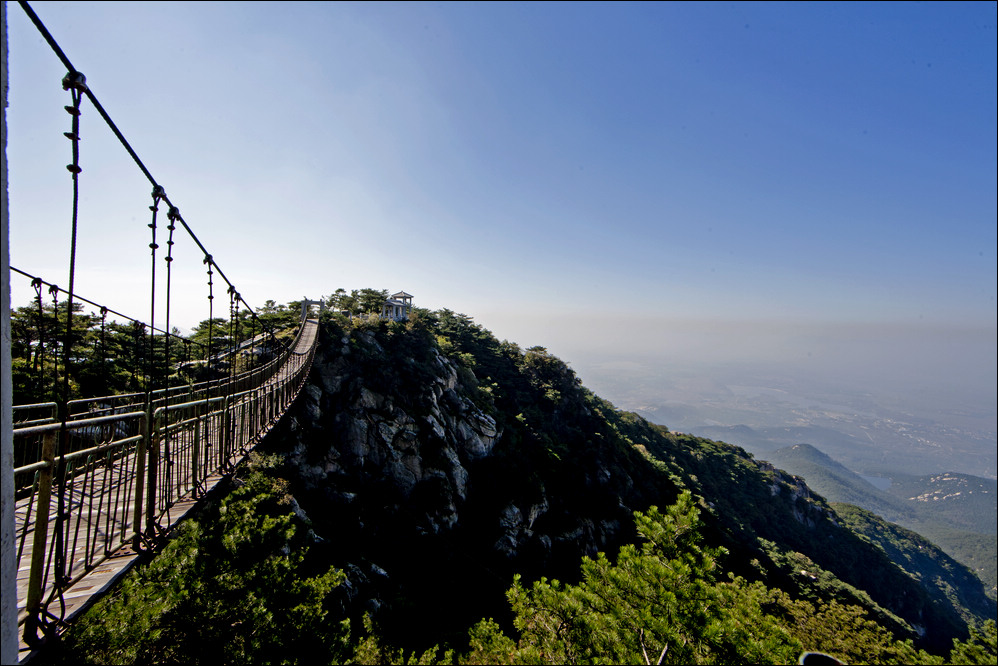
[[957, 512], [837, 483], [846, 448], [961, 500]]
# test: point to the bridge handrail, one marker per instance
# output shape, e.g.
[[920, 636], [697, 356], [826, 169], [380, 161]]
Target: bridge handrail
[[84, 408], [52, 408], [136, 462], [74, 425]]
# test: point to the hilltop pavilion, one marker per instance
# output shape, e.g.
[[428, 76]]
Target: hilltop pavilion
[[397, 307]]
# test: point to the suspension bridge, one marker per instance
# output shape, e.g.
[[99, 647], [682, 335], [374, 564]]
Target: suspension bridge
[[92, 483]]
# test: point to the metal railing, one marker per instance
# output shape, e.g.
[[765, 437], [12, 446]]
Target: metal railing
[[108, 475]]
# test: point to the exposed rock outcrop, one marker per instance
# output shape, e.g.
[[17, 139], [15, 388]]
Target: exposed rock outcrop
[[428, 434]]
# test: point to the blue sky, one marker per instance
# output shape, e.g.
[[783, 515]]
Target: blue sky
[[541, 167]]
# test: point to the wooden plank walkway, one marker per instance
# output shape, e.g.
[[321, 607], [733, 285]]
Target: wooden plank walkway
[[88, 589], [99, 513]]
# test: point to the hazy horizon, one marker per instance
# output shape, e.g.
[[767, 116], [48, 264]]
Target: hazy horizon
[[936, 383]]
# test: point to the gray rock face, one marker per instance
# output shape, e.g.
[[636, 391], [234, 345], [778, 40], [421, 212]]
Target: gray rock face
[[389, 436], [423, 435], [805, 509]]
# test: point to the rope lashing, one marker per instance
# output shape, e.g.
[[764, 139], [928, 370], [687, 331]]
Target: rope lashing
[[39, 282], [135, 354], [172, 216], [39, 365], [140, 335], [103, 345], [233, 295], [76, 84], [239, 336], [253, 342], [54, 293], [211, 298], [157, 194]]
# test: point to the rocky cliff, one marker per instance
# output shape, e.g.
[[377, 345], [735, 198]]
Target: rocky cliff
[[399, 442], [434, 461]]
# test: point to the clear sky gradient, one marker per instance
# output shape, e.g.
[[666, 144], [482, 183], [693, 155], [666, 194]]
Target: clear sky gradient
[[541, 167]]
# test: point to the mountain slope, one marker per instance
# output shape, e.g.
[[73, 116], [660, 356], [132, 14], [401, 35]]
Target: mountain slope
[[451, 455], [954, 511], [839, 484], [922, 560], [431, 463]]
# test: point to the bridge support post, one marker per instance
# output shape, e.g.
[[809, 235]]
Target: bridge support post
[[152, 465], [39, 540], [196, 459], [140, 479], [227, 452]]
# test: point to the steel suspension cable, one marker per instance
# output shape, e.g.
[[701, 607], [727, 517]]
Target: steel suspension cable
[[76, 84], [157, 193], [232, 335], [54, 293], [171, 215], [114, 129], [103, 349], [40, 354], [83, 299], [211, 321]]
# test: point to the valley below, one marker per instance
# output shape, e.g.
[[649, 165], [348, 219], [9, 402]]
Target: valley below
[[924, 460]]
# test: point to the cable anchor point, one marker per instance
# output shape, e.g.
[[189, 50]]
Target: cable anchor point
[[75, 80]]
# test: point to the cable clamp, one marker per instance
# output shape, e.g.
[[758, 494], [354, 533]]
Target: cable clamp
[[74, 80]]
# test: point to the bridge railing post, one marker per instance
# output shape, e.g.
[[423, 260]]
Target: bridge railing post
[[196, 457], [40, 539], [226, 453], [140, 478], [152, 463]]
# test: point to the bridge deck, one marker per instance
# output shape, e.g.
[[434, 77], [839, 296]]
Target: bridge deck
[[89, 526]]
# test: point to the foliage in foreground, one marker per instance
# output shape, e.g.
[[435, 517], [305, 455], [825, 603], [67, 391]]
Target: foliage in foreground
[[234, 586], [238, 587], [663, 603]]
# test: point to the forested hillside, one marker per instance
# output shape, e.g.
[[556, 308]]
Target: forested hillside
[[437, 493], [955, 511]]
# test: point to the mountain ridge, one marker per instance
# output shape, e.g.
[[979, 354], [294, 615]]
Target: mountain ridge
[[432, 463], [572, 444], [969, 542]]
